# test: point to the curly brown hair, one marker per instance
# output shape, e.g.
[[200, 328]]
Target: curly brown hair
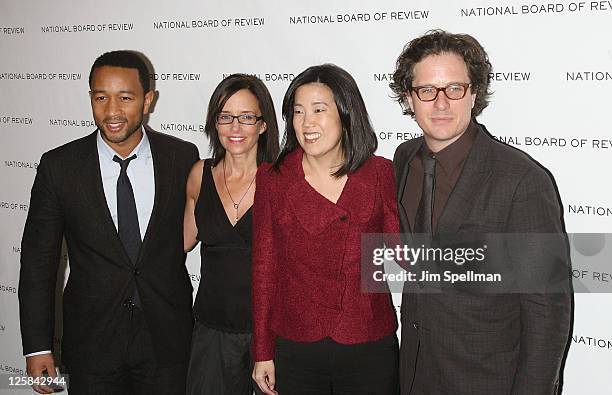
[[436, 42]]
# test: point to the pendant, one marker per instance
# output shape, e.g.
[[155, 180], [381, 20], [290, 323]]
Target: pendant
[[236, 206]]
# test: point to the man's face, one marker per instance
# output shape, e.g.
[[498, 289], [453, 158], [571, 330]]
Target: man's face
[[119, 102], [443, 120]]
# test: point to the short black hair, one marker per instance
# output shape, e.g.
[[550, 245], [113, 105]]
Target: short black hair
[[267, 144], [436, 42], [358, 139], [127, 59]]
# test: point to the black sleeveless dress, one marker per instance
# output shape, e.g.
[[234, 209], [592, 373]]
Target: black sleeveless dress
[[221, 361], [223, 301]]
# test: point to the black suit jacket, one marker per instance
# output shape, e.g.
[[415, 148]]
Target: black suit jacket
[[68, 201], [510, 343]]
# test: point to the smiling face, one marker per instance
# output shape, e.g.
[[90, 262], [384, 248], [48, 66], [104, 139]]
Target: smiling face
[[119, 102], [317, 122], [442, 120], [237, 138]]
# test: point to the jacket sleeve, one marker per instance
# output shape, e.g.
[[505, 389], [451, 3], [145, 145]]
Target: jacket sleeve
[[545, 316], [194, 155], [388, 191], [40, 255], [264, 266]]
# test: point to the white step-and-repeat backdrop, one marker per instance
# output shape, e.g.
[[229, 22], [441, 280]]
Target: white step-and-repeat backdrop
[[552, 81]]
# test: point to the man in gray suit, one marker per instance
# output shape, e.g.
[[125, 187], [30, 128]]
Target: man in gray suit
[[456, 180]]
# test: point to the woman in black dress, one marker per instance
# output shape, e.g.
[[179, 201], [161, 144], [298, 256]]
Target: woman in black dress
[[242, 130]]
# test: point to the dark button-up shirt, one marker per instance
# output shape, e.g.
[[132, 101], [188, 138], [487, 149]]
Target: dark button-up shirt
[[449, 163]]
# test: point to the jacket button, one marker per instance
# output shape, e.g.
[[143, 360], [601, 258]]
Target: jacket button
[[136, 272], [344, 218], [128, 303], [415, 324]]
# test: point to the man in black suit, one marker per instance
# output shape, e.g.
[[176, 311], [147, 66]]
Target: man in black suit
[[117, 197], [457, 180]]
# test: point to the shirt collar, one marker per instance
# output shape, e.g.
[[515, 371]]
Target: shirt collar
[[453, 155], [142, 150]]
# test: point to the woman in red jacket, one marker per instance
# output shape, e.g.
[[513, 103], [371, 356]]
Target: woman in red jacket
[[314, 330]]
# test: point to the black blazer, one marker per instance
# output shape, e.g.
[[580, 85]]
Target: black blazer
[[487, 344], [68, 201]]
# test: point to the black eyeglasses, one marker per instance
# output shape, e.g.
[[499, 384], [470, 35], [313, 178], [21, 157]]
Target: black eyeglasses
[[245, 119], [455, 91]]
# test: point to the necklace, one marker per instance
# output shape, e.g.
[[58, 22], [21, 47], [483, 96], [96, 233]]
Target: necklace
[[236, 205]]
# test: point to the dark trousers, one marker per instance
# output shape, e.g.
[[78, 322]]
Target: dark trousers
[[327, 367], [136, 373]]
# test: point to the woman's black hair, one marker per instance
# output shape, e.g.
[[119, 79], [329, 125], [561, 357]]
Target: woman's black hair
[[358, 138]]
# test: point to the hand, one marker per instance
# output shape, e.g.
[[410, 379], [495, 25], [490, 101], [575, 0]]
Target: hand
[[36, 365], [263, 374]]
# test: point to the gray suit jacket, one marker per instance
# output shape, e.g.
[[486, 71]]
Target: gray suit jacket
[[510, 343]]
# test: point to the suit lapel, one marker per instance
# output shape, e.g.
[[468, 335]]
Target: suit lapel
[[359, 194], [312, 210], [163, 169], [473, 178], [402, 168], [93, 192]]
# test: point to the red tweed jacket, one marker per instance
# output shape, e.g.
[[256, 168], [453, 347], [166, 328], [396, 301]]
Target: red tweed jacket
[[307, 253]]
